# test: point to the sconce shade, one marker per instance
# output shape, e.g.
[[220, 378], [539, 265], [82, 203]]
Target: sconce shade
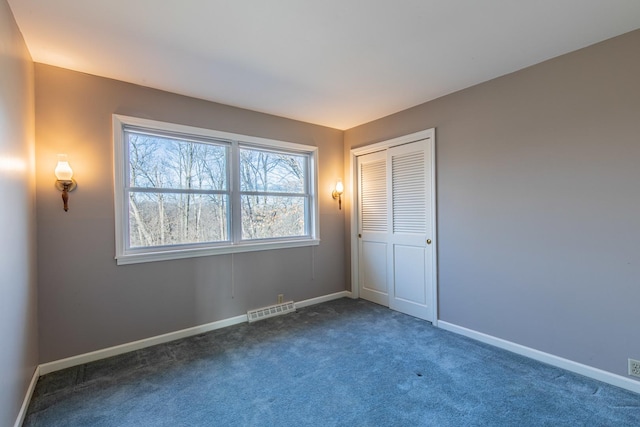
[[63, 170], [339, 187]]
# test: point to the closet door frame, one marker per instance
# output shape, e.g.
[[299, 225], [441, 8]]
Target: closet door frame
[[354, 215]]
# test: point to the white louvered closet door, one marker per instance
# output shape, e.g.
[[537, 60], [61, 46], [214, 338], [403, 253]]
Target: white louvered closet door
[[394, 259], [408, 253], [374, 227]]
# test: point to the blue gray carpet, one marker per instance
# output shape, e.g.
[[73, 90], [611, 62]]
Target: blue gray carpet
[[342, 363]]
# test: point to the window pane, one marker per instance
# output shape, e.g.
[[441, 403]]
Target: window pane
[[266, 217], [272, 172], [158, 219], [161, 162]]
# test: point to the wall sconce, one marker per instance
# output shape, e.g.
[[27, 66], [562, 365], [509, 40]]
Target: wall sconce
[[65, 182], [337, 193]]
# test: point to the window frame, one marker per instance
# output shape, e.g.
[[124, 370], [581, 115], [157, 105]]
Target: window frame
[[125, 255]]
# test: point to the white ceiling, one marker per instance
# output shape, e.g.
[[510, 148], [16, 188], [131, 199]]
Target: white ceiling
[[338, 63]]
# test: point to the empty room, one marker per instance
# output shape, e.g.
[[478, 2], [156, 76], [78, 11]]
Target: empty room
[[338, 213]]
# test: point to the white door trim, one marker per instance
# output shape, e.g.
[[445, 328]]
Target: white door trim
[[352, 184]]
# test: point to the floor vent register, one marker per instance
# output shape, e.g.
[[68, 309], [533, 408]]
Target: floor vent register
[[271, 311]]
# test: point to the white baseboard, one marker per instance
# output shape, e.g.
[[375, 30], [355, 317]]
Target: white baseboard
[[324, 298], [81, 359], [27, 398], [550, 359]]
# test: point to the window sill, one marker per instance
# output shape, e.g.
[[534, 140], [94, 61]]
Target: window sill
[[166, 255]]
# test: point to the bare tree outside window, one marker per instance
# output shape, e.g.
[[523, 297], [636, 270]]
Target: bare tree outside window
[[273, 194], [178, 191]]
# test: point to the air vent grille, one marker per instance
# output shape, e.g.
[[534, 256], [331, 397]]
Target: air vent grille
[[271, 311]]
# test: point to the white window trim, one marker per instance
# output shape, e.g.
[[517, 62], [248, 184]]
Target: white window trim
[[124, 256]]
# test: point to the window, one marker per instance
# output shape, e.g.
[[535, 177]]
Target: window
[[182, 192]]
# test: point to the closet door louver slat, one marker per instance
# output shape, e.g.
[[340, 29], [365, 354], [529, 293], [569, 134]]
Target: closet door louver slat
[[409, 191], [374, 196]]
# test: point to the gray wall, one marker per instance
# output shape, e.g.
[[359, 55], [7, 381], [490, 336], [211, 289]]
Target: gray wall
[[88, 302], [18, 303], [539, 202]]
